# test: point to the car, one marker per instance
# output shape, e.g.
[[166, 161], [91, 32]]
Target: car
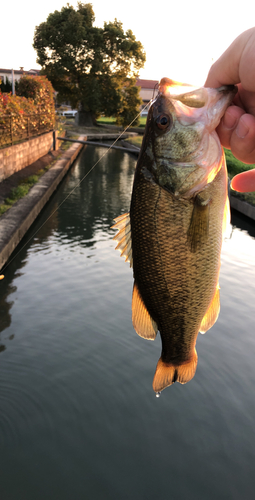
[[69, 113]]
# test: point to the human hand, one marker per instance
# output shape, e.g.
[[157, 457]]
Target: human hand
[[237, 128]]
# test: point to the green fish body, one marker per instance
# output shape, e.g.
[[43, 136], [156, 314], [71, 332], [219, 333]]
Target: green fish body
[[173, 233]]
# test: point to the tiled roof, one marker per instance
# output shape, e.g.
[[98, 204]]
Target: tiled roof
[[19, 71], [146, 84]]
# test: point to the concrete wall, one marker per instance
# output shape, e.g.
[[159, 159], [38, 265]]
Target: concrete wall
[[14, 158], [243, 207]]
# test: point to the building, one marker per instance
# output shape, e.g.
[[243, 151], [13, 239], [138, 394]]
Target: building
[[18, 73], [148, 89]]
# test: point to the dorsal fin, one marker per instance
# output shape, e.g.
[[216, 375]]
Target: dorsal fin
[[212, 312], [123, 237], [143, 323]]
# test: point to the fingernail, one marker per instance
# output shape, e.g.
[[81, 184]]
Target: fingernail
[[229, 120], [241, 129]]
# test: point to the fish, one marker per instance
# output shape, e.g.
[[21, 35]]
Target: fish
[[179, 212]]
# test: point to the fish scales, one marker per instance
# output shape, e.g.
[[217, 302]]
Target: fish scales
[[170, 275], [178, 209]]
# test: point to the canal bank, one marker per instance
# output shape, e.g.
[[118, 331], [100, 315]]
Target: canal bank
[[18, 219]]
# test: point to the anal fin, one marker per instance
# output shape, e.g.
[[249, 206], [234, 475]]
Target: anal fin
[[212, 312], [143, 324], [123, 237], [167, 374]]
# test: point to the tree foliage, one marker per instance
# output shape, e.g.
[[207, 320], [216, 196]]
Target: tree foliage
[[94, 68], [6, 86]]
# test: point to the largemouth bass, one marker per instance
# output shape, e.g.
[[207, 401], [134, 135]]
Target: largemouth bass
[[173, 233]]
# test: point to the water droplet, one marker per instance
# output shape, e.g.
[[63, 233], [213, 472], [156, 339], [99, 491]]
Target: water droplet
[[158, 394]]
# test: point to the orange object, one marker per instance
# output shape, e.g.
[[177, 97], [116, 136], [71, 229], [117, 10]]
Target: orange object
[[244, 182]]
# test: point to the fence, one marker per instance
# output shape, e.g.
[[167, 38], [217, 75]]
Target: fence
[[18, 128]]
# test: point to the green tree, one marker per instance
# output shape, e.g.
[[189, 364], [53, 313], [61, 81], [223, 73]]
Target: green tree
[[93, 68], [7, 86]]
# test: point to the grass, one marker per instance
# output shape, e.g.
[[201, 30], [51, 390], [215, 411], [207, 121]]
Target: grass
[[19, 192], [106, 120], [66, 144], [235, 167], [142, 121], [136, 141], [23, 188]]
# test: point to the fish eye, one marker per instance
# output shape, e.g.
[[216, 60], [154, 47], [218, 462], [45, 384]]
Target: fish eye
[[163, 121]]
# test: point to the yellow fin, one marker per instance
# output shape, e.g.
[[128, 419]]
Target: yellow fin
[[199, 225], [212, 312], [143, 324], [166, 373], [123, 237]]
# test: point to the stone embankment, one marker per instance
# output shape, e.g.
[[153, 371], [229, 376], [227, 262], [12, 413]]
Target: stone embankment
[[243, 207]]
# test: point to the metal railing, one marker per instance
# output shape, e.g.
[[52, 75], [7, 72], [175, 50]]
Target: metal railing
[[19, 128]]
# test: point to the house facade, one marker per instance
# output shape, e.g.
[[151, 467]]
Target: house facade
[[148, 89], [18, 73]]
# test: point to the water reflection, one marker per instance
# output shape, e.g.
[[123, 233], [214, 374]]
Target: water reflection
[[86, 215], [78, 415], [74, 221], [97, 200], [241, 221]]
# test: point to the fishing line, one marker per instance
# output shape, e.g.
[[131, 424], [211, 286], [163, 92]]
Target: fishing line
[[75, 187]]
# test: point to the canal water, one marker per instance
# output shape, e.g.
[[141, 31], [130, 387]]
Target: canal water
[[78, 416]]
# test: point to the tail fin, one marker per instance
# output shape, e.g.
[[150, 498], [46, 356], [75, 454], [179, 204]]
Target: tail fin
[[166, 373]]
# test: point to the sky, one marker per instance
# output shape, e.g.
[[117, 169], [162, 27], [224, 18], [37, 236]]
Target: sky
[[181, 38]]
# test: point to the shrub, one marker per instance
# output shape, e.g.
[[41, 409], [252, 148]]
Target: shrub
[[39, 90], [34, 98], [235, 166]]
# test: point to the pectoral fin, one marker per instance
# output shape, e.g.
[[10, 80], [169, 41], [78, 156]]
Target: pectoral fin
[[123, 237], [142, 321], [212, 313], [199, 225]]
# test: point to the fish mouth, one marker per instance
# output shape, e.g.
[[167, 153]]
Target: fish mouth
[[227, 89], [219, 100], [200, 97]]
